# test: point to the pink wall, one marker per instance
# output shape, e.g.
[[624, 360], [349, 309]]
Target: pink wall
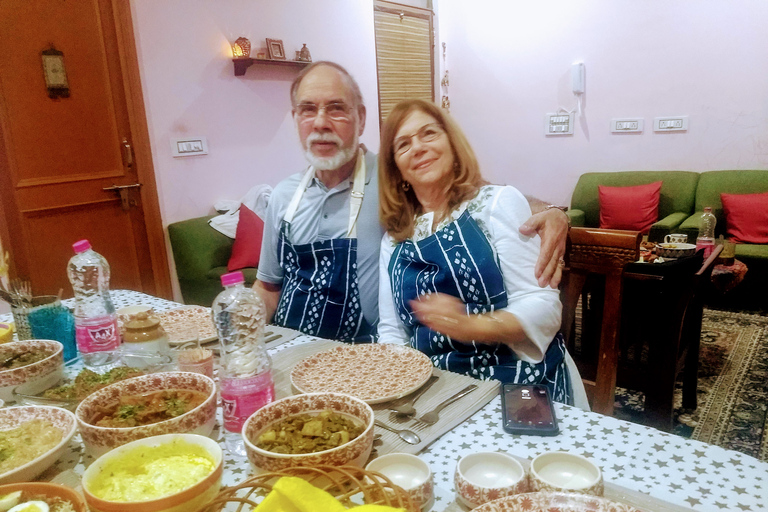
[[190, 89], [510, 63]]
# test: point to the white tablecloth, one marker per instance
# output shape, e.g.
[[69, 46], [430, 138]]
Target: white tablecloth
[[670, 468]]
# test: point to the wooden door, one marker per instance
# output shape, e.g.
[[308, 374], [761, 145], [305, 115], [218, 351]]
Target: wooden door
[[57, 155]]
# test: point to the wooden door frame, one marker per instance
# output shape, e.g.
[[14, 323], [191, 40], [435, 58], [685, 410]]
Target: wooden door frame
[[142, 154], [137, 119]]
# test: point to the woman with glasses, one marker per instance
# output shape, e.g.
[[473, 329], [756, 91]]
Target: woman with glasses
[[456, 276]]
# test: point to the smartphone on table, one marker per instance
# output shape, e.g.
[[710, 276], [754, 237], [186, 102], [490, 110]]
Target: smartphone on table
[[527, 409]]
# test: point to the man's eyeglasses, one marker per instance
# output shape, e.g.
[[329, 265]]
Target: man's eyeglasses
[[427, 133], [337, 111]]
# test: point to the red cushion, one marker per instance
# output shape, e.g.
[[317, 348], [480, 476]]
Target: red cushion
[[746, 217], [634, 208], [247, 247]]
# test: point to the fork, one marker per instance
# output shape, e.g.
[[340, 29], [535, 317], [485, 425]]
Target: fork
[[405, 410], [433, 416]]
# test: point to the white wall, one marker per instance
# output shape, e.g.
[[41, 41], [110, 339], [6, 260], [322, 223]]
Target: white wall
[[509, 65], [190, 89]]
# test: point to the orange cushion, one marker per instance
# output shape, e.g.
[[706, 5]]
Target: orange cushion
[[746, 217], [635, 208], [246, 250]]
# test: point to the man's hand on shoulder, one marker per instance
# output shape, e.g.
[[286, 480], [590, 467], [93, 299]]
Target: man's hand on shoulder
[[551, 224]]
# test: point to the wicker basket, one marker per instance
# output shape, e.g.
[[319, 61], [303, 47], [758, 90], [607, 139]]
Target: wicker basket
[[342, 482]]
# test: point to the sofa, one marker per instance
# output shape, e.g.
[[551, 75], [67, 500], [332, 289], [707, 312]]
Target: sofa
[[713, 183], [676, 201], [201, 254], [683, 197]]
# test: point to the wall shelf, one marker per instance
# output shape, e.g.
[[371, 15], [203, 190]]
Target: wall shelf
[[242, 64]]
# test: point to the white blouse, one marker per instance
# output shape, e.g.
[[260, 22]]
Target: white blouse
[[499, 211]]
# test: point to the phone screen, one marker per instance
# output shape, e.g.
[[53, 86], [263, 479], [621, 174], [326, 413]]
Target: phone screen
[[528, 409]]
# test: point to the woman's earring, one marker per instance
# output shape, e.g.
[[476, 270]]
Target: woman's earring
[[406, 186]]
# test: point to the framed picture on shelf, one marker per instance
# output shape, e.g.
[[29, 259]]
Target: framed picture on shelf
[[275, 48]]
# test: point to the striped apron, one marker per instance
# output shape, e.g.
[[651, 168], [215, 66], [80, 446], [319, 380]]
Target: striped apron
[[458, 260], [320, 293]]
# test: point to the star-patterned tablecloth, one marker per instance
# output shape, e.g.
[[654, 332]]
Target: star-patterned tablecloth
[[671, 469]]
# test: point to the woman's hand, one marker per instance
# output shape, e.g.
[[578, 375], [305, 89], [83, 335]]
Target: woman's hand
[[445, 314]]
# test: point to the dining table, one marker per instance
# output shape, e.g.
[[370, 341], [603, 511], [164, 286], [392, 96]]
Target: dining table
[[645, 467]]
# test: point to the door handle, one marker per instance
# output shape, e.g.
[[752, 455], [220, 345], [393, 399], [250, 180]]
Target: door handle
[[122, 191], [127, 153]]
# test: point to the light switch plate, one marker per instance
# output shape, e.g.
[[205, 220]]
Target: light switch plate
[[627, 125], [559, 124], [190, 146], [670, 124]]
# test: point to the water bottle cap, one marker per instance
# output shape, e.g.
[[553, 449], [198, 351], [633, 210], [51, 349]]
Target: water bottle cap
[[81, 246], [232, 278]]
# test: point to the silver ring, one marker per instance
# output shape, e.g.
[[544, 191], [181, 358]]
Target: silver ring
[[561, 262]]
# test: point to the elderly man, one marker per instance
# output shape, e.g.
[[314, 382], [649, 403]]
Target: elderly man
[[318, 271]]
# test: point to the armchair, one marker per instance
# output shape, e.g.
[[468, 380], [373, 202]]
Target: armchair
[[201, 254]]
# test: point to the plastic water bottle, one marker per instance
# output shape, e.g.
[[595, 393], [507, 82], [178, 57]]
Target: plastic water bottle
[[246, 368], [706, 238], [96, 330]]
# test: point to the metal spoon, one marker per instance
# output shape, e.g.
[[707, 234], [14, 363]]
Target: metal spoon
[[408, 436], [407, 409]]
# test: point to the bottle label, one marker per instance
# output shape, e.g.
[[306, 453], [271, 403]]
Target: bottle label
[[97, 336], [708, 244], [242, 397]]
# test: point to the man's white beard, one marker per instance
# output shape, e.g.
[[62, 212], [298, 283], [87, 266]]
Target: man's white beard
[[331, 163]]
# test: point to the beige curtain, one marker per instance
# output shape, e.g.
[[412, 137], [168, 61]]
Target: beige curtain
[[404, 52]]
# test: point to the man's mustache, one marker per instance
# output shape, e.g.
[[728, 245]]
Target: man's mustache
[[324, 137]]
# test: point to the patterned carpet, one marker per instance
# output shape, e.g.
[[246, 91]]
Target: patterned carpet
[[733, 386]]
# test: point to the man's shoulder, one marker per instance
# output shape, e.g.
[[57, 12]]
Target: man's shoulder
[[284, 190]]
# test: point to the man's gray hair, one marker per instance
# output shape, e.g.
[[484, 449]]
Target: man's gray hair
[[350, 81]]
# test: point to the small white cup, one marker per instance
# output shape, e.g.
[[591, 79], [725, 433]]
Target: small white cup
[[409, 472], [565, 472], [675, 238], [487, 476]]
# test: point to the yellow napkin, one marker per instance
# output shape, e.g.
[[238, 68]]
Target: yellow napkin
[[6, 333], [294, 494]]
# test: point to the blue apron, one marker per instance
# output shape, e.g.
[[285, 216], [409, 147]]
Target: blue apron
[[458, 260], [319, 295]]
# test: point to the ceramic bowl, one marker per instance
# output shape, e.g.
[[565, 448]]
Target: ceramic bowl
[[48, 492], [200, 420], [37, 376], [675, 250], [13, 417], [189, 499], [487, 476], [27, 394], [565, 472], [354, 452], [409, 472]]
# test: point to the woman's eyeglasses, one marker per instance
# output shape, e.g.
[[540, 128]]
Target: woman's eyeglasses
[[336, 111], [427, 133]]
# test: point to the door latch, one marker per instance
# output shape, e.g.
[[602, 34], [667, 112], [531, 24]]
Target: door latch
[[123, 191]]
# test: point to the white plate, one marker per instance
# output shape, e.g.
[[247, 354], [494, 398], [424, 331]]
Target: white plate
[[187, 324], [374, 372]]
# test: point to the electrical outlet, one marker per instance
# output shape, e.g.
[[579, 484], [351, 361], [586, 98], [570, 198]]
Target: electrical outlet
[[670, 124], [629, 125], [558, 124], [190, 146]]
